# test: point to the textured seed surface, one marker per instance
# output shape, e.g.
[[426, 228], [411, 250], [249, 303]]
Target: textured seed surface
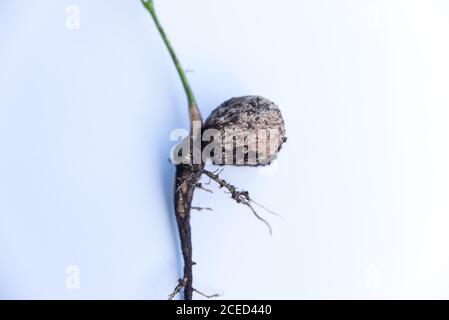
[[257, 128]]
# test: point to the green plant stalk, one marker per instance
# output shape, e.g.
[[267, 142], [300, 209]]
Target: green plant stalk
[[194, 112]]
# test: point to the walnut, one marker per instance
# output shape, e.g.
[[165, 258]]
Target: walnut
[[250, 132]]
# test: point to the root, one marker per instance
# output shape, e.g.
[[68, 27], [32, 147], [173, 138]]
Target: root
[[199, 185], [201, 208], [181, 285], [185, 181], [215, 295], [177, 289], [268, 210], [241, 197]]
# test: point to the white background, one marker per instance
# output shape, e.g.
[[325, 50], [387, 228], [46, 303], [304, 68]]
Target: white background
[[363, 181]]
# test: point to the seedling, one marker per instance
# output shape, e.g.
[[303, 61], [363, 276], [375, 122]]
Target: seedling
[[243, 131]]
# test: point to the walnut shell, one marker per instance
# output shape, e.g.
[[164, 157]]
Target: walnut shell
[[252, 131]]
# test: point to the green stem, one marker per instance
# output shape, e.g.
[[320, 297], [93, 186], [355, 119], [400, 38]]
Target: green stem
[[193, 108]]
